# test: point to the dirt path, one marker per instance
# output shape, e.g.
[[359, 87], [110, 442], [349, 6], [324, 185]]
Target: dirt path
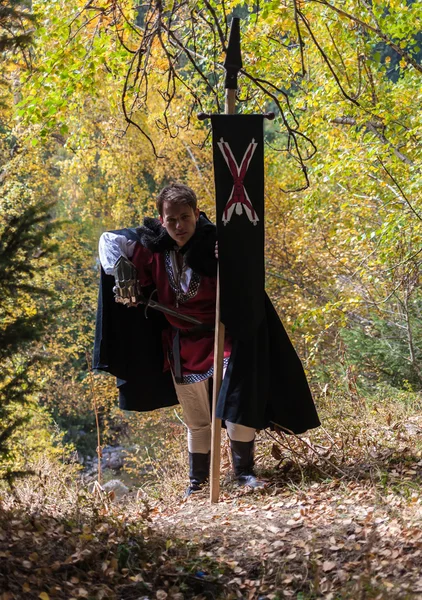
[[331, 540]]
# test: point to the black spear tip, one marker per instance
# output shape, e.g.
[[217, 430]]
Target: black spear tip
[[233, 62]]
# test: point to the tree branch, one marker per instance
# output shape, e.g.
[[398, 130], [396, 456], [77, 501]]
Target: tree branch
[[396, 183], [375, 30]]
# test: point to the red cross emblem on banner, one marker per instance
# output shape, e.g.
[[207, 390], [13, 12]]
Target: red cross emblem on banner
[[239, 198]]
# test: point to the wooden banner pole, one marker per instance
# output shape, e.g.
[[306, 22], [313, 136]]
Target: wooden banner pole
[[229, 109]]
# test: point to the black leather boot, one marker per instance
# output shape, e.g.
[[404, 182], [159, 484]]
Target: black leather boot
[[199, 469], [243, 463]]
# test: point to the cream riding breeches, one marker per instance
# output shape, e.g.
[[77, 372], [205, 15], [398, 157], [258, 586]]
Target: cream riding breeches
[[194, 400]]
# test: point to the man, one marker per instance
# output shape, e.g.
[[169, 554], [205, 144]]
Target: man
[[175, 257]]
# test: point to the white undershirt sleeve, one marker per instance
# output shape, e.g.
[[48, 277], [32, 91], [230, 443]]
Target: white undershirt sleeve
[[111, 247]]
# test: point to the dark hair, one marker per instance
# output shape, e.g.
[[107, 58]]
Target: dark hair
[[176, 193]]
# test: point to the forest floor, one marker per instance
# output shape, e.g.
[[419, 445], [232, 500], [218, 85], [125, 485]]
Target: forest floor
[[340, 518]]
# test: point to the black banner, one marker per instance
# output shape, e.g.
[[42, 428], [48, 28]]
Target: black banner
[[239, 184]]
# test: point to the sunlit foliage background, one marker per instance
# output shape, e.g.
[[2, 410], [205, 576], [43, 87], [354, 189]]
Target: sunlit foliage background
[[98, 111]]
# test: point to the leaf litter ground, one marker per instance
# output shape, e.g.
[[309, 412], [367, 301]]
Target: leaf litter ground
[[340, 518]]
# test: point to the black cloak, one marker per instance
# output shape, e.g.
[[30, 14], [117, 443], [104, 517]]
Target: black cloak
[[265, 383]]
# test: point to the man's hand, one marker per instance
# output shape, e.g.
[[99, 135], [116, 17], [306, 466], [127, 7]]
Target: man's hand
[[127, 290], [131, 299]]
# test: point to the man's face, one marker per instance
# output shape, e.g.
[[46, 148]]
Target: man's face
[[180, 221]]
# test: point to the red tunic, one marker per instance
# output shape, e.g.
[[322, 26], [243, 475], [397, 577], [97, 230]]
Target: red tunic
[[196, 349]]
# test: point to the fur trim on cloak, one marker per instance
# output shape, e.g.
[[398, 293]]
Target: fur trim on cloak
[[199, 250]]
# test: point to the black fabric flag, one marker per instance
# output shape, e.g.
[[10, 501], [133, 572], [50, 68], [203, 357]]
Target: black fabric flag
[[238, 148]]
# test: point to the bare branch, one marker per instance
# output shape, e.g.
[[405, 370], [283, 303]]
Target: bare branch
[[128, 118], [299, 37], [353, 121], [375, 30], [376, 127], [326, 59], [396, 183], [340, 57], [217, 24], [384, 140], [293, 134]]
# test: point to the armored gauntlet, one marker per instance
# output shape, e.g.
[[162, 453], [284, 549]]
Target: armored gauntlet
[[127, 290]]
